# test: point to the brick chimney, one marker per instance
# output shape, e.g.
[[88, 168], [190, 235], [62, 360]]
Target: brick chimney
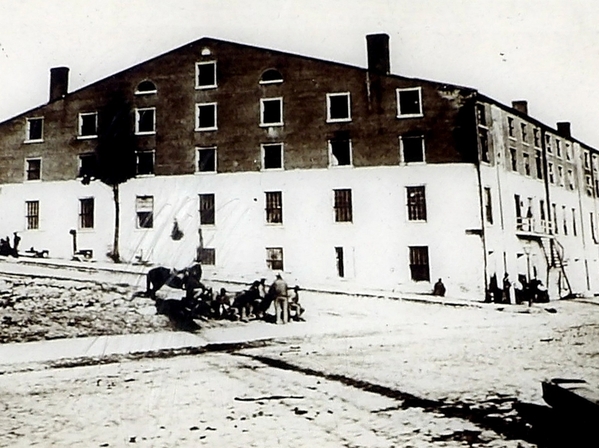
[[59, 82], [563, 129], [521, 106], [377, 46]]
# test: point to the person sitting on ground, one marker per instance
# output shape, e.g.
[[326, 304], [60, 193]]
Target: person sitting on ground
[[295, 309], [221, 304], [439, 288]]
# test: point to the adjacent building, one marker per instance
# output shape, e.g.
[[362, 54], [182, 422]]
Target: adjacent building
[[252, 160]]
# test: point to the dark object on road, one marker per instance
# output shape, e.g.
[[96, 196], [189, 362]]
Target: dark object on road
[[439, 288], [188, 279], [572, 397]]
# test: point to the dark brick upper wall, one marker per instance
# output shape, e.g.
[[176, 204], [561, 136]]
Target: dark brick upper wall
[[447, 124]]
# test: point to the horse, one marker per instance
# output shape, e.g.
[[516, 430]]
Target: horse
[[187, 279]]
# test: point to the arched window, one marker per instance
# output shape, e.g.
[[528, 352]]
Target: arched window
[[271, 76], [145, 87]]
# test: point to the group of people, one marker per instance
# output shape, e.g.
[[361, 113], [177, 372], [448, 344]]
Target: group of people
[[521, 291], [8, 250]]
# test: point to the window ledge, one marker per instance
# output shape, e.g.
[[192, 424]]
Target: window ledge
[[271, 125], [213, 86], [410, 116], [276, 81], [86, 137], [412, 163], [145, 133], [341, 167], [32, 181], [201, 173], [34, 141], [274, 224], [144, 175], [148, 92], [206, 129], [86, 230], [339, 120], [272, 169]]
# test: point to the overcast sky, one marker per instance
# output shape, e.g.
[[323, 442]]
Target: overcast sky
[[544, 51]]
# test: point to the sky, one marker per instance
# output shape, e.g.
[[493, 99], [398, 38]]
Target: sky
[[542, 51]]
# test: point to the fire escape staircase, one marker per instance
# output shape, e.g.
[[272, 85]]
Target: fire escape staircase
[[552, 249]]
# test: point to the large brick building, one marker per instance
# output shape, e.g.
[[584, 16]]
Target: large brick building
[[253, 159]]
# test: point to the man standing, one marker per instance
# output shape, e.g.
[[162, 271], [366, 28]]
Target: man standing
[[279, 291]]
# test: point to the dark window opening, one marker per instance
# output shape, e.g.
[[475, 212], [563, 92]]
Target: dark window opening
[[413, 149], [419, 266], [480, 114], [146, 87], [34, 169], [409, 102], [88, 125], [274, 258], [574, 230], [526, 162], [145, 163], [274, 207], [537, 137], [340, 262], [206, 74], [510, 126], [343, 206], [488, 205], [206, 118], [32, 214], [513, 159], [207, 160], [145, 120], [272, 111], [273, 156], [207, 256], [524, 132], [339, 108], [539, 164], [86, 213], [145, 212], [416, 203], [35, 128], [271, 75], [207, 210], [87, 165], [484, 144], [340, 152]]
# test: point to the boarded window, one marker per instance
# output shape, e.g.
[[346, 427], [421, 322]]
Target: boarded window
[[340, 152], [35, 129], [144, 207], [412, 148], [416, 203], [206, 160], [32, 214], [206, 74], [86, 213], [343, 206], [144, 163], [271, 111], [272, 156], [206, 116], [34, 169], [419, 267], [207, 211], [274, 207], [207, 256], [274, 258]]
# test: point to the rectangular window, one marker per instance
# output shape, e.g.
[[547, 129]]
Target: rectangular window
[[571, 180], [587, 160], [542, 209], [510, 127], [589, 184], [593, 233], [33, 168], [145, 121], [539, 164], [205, 75], [272, 156], [412, 148], [343, 206], [32, 215], [551, 172], [574, 230], [548, 143], [35, 130], [88, 125], [481, 116], [207, 209], [416, 198], [87, 165], [537, 137], [409, 102], [554, 211], [271, 112], [483, 137], [565, 222], [419, 267], [207, 256], [144, 208], [338, 107], [526, 162], [340, 261], [144, 165], [340, 153], [568, 151], [274, 258], [206, 160], [488, 205], [524, 132], [274, 207], [513, 159], [560, 175], [86, 213], [558, 148], [206, 117]]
